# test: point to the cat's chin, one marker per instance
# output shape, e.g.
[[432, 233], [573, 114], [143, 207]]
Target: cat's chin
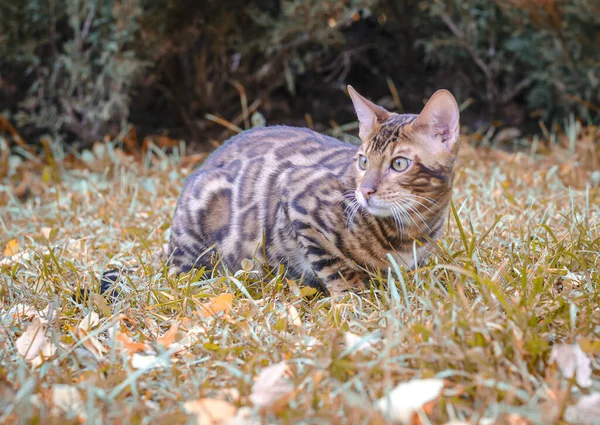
[[378, 211], [372, 208]]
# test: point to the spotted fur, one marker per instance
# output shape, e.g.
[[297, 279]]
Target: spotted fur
[[283, 195]]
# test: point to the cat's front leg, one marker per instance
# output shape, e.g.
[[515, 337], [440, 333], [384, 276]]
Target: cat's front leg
[[346, 280], [337, 273]]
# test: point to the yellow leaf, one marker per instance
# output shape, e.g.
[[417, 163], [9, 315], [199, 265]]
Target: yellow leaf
[[12, 247], [307, 291], [220, 303]]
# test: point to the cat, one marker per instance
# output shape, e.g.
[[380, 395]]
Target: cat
[[330, 211]]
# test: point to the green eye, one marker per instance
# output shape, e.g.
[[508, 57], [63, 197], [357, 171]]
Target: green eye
[[362, 162], [400, 164]]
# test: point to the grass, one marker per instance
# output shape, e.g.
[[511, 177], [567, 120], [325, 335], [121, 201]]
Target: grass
[[516, 272]]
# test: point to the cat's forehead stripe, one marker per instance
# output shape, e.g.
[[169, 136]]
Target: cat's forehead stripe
[[389, 132]]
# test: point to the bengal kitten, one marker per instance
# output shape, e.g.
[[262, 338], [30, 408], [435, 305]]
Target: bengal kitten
[[328, 210]]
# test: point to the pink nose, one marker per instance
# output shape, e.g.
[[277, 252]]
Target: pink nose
[[367, 191]]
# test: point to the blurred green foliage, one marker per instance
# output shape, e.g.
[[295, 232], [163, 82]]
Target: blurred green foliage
[[82, 68]]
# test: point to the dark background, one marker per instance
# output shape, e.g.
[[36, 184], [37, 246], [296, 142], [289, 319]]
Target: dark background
[[81, 70]]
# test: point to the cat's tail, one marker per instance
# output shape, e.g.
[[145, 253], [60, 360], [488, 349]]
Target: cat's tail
[[112, 278]]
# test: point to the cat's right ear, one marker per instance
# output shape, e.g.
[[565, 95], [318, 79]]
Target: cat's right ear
[[439, 122], [369, 115]]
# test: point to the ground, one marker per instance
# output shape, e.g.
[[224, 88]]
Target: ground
[[515, 278]]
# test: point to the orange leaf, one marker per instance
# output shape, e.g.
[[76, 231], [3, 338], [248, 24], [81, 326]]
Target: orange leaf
[[220, 303], [129, 345], [167, 339], [12, 247]]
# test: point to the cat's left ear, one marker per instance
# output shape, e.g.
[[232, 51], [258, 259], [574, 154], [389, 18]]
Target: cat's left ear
[[438, 122], [369, 114]]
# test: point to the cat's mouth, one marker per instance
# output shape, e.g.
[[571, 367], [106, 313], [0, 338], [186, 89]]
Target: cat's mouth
[[374, 206]]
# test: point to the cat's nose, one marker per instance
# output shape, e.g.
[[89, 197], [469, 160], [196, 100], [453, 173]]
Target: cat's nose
[[367, 191]]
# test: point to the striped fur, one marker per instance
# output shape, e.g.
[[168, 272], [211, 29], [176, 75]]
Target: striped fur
[[291, 195]]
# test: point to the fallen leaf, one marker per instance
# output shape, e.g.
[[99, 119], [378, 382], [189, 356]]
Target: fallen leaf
[[407, 398], [48, 233], [22, 311], [192, 337], [21, 257], [90, 342], [356, 343], [210, 411], [142, 361], [32, 341], [571, 360], [294, 316], [129, 345], [89, 321], [45, 353], [271, 385], [169, 337], [589, 346], [217, 304], [585, 411], [12, 248], [247, 265], [67, 399]]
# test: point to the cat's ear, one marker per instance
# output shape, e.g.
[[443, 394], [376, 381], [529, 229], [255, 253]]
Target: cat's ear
[[438, 122], [369, 114]]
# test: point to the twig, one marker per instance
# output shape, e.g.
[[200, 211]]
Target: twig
[[461, 37], [516, 90], [244, 102], [223, 122]]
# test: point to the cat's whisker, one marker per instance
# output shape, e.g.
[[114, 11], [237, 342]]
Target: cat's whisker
[[353, 213], [426, 198], [407, 214], [415, 211], [416, 198], [397, 220]]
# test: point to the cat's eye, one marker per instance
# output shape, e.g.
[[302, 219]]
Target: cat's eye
[[400, 164], [362, 162]]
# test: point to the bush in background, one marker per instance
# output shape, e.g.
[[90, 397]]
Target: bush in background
[[81, 69]]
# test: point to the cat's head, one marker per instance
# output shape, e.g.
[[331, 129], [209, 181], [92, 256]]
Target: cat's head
[[405, 161]]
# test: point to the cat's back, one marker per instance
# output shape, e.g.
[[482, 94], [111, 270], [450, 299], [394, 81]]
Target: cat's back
[[279, 147]]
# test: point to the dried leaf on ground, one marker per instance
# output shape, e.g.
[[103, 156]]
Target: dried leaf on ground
[[47, 351], [169, 337], [402, 403], [11, 248], [210, 411], [586, 411], [216, 305], [571, 360], [89, 321], [150, 361], [130, 345], [22, 311], [294, 316], [90, 342], [271, 386], [355, 342], [67, 399], [32, 341]]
